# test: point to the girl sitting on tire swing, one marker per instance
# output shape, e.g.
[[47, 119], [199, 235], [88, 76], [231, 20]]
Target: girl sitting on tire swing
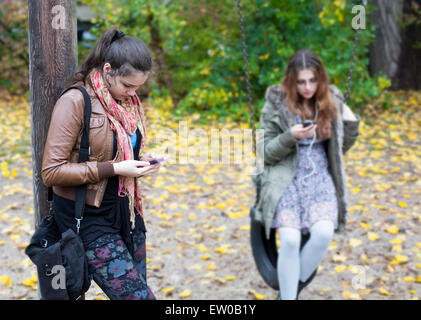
[[303, 182]]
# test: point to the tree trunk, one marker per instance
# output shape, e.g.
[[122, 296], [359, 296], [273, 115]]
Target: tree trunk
[[409, 75], [386, 50], [52, 60], [164, 79]]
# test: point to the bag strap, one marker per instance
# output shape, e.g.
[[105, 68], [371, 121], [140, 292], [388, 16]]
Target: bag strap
[[84, 152]]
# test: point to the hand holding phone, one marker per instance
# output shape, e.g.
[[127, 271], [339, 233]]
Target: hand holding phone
[[156, 160], [308, 123], [301, 131]]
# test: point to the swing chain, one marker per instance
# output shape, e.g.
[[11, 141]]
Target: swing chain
[[351, 69], [250, 100]]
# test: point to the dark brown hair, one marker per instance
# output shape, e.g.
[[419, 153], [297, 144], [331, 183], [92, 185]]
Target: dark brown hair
[[126, 55], [306, 59]]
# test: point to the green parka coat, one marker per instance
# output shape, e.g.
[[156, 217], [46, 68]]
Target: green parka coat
[[279, 152]]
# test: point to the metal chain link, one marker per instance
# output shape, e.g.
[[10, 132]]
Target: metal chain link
[[246, 71], [351, 69]]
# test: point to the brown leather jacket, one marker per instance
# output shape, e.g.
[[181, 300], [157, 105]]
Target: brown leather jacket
[[60, 167]]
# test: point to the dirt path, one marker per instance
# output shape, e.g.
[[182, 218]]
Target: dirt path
[[198, 241], [198, 227]]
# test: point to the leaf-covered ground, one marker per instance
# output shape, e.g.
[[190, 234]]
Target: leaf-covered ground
[[198, 224]]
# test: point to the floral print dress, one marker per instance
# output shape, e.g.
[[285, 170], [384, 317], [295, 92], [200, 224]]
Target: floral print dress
[[308, 198]]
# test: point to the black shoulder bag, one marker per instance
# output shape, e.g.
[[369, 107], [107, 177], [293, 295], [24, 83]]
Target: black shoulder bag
[[61, 262]]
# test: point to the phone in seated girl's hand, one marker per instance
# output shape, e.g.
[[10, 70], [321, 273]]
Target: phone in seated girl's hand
[[301, 132]]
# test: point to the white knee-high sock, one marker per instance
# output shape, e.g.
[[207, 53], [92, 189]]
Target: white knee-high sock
[[315, 249], [289, 262]]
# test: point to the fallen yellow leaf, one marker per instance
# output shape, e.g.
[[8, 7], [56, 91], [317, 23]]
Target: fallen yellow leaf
[[399, 259], [372, 236], [339, 258], [412, 135], [409, 279], [221, 206], [364, 258], [220, 229], [392, 229], [222, 249], [211, 267], [203, 248], [340, 268], [30, 282], [355, 242], [349, 295], [186, 293], [15, 237], [355, 269], [26, 262], [384, 292], [397, 248], [168, 290], [221, 280], [5, 280], [258, 296], [398, 240], [365, 225], [355, 190]]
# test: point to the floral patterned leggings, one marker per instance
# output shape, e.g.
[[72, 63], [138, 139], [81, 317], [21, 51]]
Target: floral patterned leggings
[[119, 274]]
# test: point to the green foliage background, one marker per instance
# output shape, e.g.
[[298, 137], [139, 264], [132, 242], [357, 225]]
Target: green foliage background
[[203, 53], [197, 47], [14, 60]]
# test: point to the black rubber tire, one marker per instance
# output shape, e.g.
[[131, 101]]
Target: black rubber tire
[[265, 253]]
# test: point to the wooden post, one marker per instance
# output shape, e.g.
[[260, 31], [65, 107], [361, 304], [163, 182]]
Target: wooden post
[[52, 60], [386, 49]]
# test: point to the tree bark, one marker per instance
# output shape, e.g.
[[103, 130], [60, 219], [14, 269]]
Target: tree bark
[[386, 50], [409, 75], [52, 60], [164, 79]]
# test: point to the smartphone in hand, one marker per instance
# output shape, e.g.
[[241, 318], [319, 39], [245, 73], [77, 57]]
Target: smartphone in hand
[[308, 123], [156, 160]]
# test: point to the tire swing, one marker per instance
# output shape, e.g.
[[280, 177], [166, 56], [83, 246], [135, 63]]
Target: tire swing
[[265, 251]]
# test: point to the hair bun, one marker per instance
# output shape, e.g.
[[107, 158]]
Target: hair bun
[[118, 35]]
